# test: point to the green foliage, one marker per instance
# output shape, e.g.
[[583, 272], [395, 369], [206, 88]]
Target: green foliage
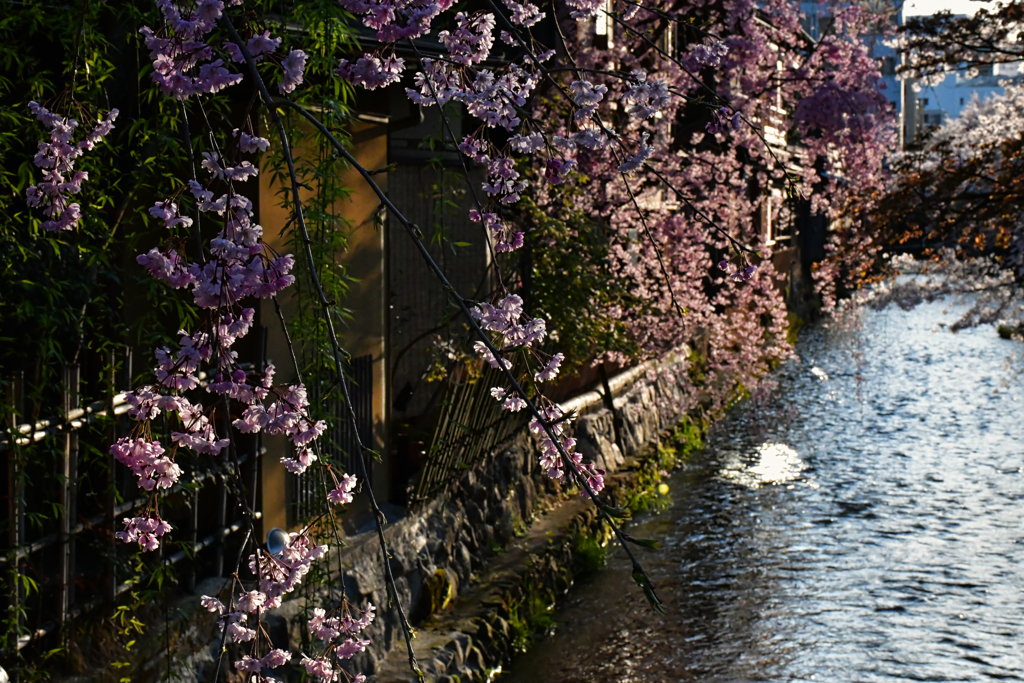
[[79, 296], [652, 599], [589, 553], [530, 614], [687, 437], [796, 323], [648, 491], [697, 362], [566, 279], [1008, 332]]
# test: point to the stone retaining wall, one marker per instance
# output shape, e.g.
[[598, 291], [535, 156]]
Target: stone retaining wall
[[501, 499], [503, 527]]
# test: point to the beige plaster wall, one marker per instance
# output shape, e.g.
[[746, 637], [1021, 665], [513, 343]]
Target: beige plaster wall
[[363, 334]]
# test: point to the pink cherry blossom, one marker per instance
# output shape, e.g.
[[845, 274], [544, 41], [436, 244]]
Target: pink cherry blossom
[[57, 159]]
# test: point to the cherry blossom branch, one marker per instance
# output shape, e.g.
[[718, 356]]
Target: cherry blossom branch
[[740, 248], [575, 69], [650, 238], [721, 100], [547, 73], [234, 577], [462, 159], [540, 418], [332, 334]]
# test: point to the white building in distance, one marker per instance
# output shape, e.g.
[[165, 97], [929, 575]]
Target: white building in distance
[[919, 108]]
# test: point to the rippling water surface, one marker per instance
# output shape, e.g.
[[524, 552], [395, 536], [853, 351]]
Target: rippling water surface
[[861, 523]]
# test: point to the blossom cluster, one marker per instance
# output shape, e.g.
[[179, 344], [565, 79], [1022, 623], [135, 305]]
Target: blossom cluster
[[278, 575], [185, 64], [504, 320], [338, 631], [342, 492], [512, 335], [710, 53], [144, 531], [505, 237], [471, 41], [372, 72], [57, 159], [552, 461], [722, 120], [645, 98], [201, 389], [396, 20], [740, 274], [497, 95], [147, 461], [239, 267]]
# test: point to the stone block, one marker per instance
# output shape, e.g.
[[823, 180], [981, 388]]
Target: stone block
[[475, 659], [474, 513]]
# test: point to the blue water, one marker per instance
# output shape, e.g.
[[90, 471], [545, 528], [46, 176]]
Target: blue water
[[860, 522]]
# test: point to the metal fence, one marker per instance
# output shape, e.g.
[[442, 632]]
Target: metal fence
[[66, 496], [471, 424], [339, 440]]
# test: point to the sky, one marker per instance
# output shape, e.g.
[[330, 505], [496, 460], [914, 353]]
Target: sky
[[917, 7]]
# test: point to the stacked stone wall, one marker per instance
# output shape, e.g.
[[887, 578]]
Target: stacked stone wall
[[500, 534]]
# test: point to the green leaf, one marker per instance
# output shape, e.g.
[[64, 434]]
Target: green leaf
[[616, 512], [652, 598]]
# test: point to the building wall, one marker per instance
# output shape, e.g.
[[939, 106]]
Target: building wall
[[422, 317], [364, 335], [366, 264]]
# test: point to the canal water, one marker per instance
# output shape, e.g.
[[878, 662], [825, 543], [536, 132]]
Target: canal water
[[860, 522]]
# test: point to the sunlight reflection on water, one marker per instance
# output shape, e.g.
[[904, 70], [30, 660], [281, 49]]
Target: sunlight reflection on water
[[776, 463]]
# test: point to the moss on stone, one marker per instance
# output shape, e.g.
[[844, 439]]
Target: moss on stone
[[442, 588]]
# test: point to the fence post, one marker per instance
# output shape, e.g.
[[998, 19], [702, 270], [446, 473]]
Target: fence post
[[110, 499], [222, 521], [68, 475], [16, 520], [193, 526], [609, 403]]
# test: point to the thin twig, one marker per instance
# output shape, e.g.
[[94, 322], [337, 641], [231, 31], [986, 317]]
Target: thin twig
[[326, 306], [196, 231]]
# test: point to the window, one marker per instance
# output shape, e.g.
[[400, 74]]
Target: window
[[603, 27], [668, 39]]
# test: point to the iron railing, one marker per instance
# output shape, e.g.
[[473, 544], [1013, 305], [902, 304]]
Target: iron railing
[[339, 440], [65, 498], [471, 424]]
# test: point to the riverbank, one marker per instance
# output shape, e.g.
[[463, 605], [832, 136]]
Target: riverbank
[[477, 570], [478, 621], [474, 635]]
